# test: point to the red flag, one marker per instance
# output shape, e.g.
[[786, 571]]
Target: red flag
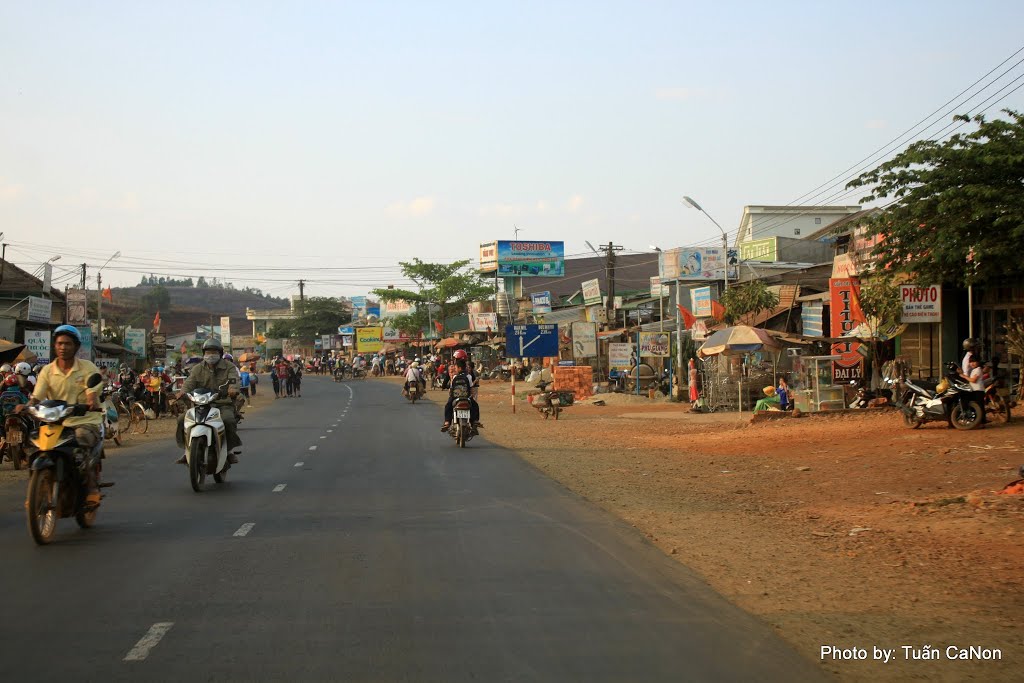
[[717, 310], [108, 295], [689, 319], [156, 322], [439, 326]]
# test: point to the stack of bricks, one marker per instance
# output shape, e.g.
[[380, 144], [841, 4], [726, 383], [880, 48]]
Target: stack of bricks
[[578, 379]]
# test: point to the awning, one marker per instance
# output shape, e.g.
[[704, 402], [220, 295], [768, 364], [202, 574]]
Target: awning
[[610, 333], [111, 349], [449, 343]]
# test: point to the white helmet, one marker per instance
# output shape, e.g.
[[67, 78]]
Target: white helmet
[[6, 368], [23, 369]]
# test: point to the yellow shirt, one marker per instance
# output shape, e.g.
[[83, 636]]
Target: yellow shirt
[[70, 387]]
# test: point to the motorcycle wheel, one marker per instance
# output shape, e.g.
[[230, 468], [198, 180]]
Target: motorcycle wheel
[[998, 409], [967, 419], [462, 437], [42, 522], [911, 421], [15, 454], [85, 518], [196, 466], [139, 421], [117, 438]]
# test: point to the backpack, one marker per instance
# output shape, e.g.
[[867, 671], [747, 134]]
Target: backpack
[[461, 384]]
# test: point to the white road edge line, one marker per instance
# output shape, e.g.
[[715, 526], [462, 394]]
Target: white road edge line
[[244, 529], [279, 488], [329, 431], [148, 641]]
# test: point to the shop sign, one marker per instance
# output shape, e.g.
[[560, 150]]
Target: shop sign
[[483, 322], [584, 339], [921, 304], [846, 315], [39, 309], [541, 302], [591, 291], [76, 303], [488, 257], [135, 341], [700, 299], [369, 339], [654, 344], [225, 331], [759, 250], [38, 342], [621, 355], [657, 289]]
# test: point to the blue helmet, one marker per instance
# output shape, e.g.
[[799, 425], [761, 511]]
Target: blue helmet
[[69, 330]]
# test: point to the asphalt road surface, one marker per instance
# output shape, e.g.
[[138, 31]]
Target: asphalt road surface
[[355, 542]]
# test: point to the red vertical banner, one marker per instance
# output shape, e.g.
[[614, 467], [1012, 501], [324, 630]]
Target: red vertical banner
[[845, 316]]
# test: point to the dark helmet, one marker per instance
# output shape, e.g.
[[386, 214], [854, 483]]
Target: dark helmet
[[213, 345], [970, 343]]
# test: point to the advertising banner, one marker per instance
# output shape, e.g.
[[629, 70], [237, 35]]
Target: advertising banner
[[483, 322], [530, 259], [658, 289], [373, 310], [700, 300], [369, 339], [846, 315], [921, 304], [812, 315], [584, 339], [135, 341], [759, 250], [488, 257], [541, 302], [39, 309], [85, 351], [76, 307], [389, 309], [691, 263], [347, 339], [38, 342], [654, 344], [359, 304], [243, 341], [621, 355], [591, 292], [225, 331]]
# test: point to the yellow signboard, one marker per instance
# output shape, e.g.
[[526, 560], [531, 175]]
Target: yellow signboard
[[369, 339]]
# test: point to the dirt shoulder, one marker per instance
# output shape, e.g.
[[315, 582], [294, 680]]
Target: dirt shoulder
[[850, 531]]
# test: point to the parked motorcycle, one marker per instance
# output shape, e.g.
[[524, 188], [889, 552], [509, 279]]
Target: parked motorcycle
[[17, 428], [57, 485], [952, 400], [997, 396], [206, 446], [550, 402]]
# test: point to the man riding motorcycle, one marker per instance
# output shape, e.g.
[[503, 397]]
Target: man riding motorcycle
[[211, 374], [413, 374], [65, 380], [461, 387]]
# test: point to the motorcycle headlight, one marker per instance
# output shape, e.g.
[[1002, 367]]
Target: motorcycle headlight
[[50, 414], [201, 398]]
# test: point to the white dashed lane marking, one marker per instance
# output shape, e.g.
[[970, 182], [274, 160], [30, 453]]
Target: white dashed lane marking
[[245, 529], [330, 431], [312, 448], [323, 437], [299, 464], [279, 488], [148, 641]]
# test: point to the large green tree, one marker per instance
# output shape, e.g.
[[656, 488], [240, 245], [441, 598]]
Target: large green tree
[[157, 299], [956, 210], [743, 302], [879, 299], [448, 286], [321, 315]]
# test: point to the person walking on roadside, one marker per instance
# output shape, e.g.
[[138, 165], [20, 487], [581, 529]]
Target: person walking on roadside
[[254, 378], [282, 377], [275, 381], [244, 382], [692, 382], [297, 380]]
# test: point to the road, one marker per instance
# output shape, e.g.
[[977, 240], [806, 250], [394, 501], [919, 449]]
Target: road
[[355, 542]]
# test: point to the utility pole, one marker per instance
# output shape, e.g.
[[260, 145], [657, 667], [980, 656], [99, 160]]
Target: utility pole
[[99, 305], [83, 277], [302, 297], [609, 270]]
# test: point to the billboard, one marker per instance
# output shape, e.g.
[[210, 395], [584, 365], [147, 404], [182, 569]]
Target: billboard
[[225, 331], [621, 355], [38, 342], [591, 292], [76, 307], [359, 304], [697, 263], [921, 304], [760, 250], [654, 344], [523, 259], [135, 341], [584, 339], [369, 339], [541, 302], [483, 322], [389, 309], [845, 316], [700, 299], [658, 289]]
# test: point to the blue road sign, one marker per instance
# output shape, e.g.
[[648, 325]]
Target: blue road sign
[[344, 329], [531, 341]]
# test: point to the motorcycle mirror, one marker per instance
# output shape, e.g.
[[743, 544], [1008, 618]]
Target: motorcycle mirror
[[94, 380]]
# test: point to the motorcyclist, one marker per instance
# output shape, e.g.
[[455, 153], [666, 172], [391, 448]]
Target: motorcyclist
[[461, 387], [413, 374], [970, 346], [23, 374], [211, 374], [65, 380]]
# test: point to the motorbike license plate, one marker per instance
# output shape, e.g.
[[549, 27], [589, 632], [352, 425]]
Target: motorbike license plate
[[14, 436], [461, 414]]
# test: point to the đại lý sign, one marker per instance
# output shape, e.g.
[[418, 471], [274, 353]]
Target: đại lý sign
[[846, 314]]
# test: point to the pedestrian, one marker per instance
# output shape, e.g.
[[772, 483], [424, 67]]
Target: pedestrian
[[254, 378], [276, 382], [782, 391], [297, 380], [692, 382], [244, 382]]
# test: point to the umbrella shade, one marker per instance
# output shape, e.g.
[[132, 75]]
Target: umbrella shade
[[26, 356], [248, 357], [9, 350], [738, 339]]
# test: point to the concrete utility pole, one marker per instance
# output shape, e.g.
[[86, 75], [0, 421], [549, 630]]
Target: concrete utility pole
[[609, 270], [99, 305], [302, 297], [83, 277]]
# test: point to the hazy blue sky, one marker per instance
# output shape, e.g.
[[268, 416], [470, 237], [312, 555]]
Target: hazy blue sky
[[358, 134]]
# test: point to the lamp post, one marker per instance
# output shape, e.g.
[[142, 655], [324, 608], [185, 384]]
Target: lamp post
[[99, 302], [725, 238]]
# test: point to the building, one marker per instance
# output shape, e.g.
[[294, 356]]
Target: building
[[760, 222], [25, 304]]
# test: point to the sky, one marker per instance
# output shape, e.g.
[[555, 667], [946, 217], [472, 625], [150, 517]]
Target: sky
[[266, 142]]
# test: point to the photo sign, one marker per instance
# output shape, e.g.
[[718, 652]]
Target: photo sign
[[921, 304], [584, 339]]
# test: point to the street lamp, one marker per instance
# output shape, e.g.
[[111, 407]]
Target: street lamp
[[725, 238], [99, 287]]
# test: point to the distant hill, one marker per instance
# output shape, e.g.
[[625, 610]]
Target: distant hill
[[190, 306]]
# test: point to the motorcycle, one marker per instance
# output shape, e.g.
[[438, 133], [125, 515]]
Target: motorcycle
[[997, 397], [412, 391], [952, 400], [439, 381], [16, 431], [57, 485], [111, 419], [206, 446], [462, 429], [550, 403]]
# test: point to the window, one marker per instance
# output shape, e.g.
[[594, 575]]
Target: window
[[817, 221], [796, 231]]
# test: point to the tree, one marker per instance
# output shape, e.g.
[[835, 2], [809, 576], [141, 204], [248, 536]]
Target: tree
[[449, 286], [201, 283], [157, 299], [744, 302], [957, 210], [410, 324], [323, 315], [882, 307]]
